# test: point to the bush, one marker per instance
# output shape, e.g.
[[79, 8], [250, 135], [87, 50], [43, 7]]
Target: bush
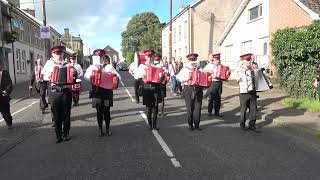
[[295, 53]]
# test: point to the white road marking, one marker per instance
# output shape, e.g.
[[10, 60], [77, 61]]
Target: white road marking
[[163, 144], [133, 100], [122, 83], [21, 109]]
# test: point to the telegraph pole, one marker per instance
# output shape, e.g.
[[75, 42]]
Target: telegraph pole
[[170, 32], [45, 24]]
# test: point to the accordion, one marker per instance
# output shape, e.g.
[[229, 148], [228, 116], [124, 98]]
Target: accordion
[[76, 86], [222, 72], [254, 80], [62, 75], [153, 74], [200, 78], [104, 80]]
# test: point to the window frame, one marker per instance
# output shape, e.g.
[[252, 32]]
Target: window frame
[[260, 13]]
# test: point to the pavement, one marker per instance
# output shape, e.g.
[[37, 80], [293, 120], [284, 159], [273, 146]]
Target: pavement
[[220, 151]]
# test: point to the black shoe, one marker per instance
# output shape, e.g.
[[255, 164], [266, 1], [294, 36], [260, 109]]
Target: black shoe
[[156, 128], [53, 124], [59, 140], [210, 114], [10, 127], [43, 111], [46, 106], [243, 127], [191, 128], [218, 115], [198, 128], [101, 134], [108, 133], [66, 137], [254, 129]]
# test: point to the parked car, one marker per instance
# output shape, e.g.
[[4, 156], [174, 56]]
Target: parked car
[[122, 66]]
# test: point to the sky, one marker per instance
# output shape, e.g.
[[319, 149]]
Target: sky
[[99, 22]]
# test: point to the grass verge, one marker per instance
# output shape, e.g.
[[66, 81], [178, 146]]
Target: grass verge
[[304, 103]]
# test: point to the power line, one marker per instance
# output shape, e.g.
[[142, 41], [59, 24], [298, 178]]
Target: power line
[[33, 2]]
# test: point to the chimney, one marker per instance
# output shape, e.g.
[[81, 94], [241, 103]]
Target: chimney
[[31, 12], [66, 32]]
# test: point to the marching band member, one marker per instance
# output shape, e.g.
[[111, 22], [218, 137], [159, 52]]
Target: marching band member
[[151, 91], [5, 91], [77, 86], [40, 85], [163, 85], [248, 95], [47, 77], [61, 94], [193, 94], [215, 90], [102, 98], [137, 81]]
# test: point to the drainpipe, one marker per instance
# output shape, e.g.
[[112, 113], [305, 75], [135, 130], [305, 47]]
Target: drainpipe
[[1, 33], [13, 51]]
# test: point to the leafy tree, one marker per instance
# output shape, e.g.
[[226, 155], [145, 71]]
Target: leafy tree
[[296, 51], [143, 32]]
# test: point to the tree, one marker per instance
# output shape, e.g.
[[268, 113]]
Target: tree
[[143, 32]]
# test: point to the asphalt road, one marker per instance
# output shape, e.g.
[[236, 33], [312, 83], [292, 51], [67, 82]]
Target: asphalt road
[[220, 151]]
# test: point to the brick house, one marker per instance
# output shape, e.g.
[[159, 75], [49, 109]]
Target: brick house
[[251, 27]]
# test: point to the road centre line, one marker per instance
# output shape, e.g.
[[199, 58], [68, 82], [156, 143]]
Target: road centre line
[[21, 109], [163, 144]]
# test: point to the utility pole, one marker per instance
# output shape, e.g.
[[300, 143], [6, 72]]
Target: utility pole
[[170, 32], [45, 24]]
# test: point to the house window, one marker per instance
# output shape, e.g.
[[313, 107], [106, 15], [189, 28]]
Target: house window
[[228, 53], [18, 60], [255, 13], [265, 49], [23, 60], [185, 28], [246, 47], [174, 35], [179, 32]]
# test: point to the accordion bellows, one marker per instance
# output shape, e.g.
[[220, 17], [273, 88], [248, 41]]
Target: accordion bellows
[[104, 80], [62, 75], [153, 74], [222, 72], [200, 78]]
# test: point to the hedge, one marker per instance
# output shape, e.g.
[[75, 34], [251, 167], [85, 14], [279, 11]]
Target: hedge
[[295, 53]]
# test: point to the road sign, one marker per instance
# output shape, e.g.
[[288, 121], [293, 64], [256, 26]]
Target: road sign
[[45, 32]]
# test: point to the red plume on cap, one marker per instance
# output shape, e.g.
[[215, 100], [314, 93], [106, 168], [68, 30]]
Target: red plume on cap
[[58, 49], [99, 52], [246, 56], [192, 57], [148, 52]]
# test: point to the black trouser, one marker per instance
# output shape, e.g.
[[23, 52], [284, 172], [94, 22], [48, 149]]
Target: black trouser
[[49, 92], [248, 100], [61, 109], [5, 109], [215, 99], [103, 113], [137, 83], [193, 98], [151, 98], [43, 87]]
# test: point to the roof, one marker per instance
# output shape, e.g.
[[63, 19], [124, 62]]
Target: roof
[[4, 1], [313, 5], [111, 49]]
